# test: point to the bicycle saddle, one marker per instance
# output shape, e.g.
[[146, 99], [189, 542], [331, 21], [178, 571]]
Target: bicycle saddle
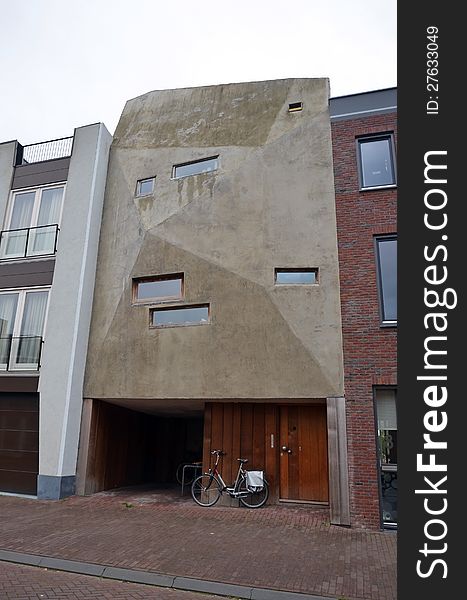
[[242, 460]]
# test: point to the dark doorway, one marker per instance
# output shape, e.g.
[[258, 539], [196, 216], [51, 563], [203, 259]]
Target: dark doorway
[[128, 447]]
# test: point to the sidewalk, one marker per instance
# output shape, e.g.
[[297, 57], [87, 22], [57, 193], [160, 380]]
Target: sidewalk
[[289, 548]]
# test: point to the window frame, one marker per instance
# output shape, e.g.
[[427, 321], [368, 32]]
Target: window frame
[[138, 186], [16, 331], [379, 281], [314, 270], [391, 467], [193, 162], [392, 154], [38, 191], [179, 307], [157, 299]]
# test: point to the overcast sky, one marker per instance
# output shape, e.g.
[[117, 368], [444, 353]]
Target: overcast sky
[[67, 63]]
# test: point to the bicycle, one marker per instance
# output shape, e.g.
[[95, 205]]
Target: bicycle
[[209, 487]]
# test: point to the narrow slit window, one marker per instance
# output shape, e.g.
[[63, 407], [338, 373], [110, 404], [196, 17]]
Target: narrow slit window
[[180, 316], [308, 276], [158, 288], [295, 106], [205, 165], [145, 187]]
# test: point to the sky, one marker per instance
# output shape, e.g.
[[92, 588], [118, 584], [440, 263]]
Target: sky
[[68, 63]]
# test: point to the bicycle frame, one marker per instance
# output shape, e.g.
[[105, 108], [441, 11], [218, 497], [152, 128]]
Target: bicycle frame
[[232, 490]]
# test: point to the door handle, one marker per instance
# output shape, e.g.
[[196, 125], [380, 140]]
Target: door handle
[[285, 449]]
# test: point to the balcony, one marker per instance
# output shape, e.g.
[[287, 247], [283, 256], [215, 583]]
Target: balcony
[[50, 150], [20, 353], [28, 242]]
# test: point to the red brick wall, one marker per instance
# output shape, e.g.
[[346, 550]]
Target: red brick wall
[[369, 349]]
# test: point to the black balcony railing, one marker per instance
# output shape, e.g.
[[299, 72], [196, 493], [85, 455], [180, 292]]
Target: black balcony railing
[[28, 242], [33, 153], [21, 353]]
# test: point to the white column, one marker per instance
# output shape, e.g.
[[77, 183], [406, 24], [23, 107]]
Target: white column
[[67, 331]]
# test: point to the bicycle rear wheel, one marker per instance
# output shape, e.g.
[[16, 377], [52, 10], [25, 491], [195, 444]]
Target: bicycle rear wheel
[[254, 499], [206, 490]]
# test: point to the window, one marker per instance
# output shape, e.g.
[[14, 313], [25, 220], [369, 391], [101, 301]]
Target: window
[[386, 418], [296, 276], [195, 167], [386, 256], [145, 187], [158, 288], [22, 319], [295, 106], [32, 223], [376, 161], [180, 316]]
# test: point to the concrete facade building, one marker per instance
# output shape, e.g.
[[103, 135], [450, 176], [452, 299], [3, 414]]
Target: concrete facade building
[[240, 270], [216, 318], [51, 198]]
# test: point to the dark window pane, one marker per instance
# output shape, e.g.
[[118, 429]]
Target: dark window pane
[[376, 162], [181, 316], [296, 277], [164, 288], [200, 166], [387, 256]]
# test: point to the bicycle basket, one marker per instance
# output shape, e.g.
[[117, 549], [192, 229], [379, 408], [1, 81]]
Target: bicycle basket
[[255, 481]]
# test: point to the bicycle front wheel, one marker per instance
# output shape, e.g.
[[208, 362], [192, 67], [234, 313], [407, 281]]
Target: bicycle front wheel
[[254, 499], [206, 490]]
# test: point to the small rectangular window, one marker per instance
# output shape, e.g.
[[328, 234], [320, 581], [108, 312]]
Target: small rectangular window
[[195, 167], [180, 316], [306, 276], [295, 106], [376, 161], [144, 187], [158, 288], [386, 257]]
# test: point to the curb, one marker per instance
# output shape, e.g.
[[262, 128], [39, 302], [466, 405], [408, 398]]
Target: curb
[[158, 579]]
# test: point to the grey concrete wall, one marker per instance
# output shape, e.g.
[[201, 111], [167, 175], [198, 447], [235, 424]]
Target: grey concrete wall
[[7, 155], [270, 204], [68, 321]]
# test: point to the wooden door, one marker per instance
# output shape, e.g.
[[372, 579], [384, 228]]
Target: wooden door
[[303, 453]]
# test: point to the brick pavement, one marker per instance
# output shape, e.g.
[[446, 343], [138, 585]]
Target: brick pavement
[[20, 582], [280, 547]]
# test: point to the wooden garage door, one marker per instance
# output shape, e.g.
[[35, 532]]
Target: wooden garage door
[[19, 443]]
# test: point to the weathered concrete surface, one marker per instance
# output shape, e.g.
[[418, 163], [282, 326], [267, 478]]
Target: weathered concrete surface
[[270, 204]]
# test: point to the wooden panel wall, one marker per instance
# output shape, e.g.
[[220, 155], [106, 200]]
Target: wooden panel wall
[[243, 430]]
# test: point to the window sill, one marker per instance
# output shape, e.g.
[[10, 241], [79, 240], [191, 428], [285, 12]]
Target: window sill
[[181, 325], [392, 186], [386, 324], [158, 301]]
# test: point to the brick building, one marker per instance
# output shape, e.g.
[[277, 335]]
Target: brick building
[[364, 132]]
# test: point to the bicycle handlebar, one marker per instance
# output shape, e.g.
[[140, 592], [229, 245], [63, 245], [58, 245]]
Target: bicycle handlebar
[[218, 452]]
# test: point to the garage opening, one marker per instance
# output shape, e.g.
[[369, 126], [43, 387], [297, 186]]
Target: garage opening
[[122, 447]]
